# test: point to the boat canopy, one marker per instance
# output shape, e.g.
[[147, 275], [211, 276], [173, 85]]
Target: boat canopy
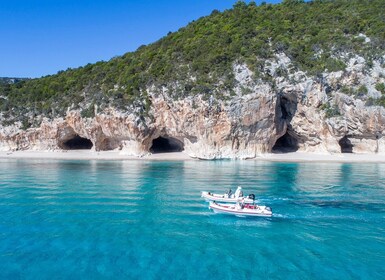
[[238, 192]]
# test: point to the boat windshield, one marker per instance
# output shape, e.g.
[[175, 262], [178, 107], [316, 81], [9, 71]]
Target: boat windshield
[[238, 192]]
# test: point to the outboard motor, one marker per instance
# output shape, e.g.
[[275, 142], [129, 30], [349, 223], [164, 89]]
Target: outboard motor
[[252, 196]]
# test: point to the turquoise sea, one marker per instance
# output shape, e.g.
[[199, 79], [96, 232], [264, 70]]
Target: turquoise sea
[[146, 220]]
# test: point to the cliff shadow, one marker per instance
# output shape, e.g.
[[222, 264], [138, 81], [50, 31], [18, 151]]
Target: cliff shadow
[[287, 106], [164, 144], [285, 111]]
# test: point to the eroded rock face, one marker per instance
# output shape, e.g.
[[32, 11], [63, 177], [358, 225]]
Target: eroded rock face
[[313, 114], [247, 126]]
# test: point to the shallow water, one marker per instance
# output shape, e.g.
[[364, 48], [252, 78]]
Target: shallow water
[[142, 219]]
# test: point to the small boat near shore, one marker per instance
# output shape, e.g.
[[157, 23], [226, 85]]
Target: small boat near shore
[[228, 197], [241, 209]]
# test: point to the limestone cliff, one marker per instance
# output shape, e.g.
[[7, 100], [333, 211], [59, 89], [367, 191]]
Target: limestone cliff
[[291, 115]]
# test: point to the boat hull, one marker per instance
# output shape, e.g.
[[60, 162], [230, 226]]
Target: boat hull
[[258, 211], [222, 198]]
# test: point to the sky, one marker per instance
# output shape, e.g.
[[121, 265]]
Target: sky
[[41, 37]]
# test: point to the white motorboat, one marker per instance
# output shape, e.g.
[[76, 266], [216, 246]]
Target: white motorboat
[[241, 209], [229, 196]]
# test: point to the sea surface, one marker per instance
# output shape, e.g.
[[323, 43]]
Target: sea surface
[[146, 220]]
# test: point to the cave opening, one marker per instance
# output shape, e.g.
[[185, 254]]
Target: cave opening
[[346, 145], [286, 144], [288, 106], [166, 145], [77, 143]]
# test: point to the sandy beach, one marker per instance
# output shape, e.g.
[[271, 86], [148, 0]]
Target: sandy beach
[[89, 155], [314, 157], [114, 155]]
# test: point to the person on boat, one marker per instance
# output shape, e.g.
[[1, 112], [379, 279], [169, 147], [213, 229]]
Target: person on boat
[[229, 193], [243, 203], [238, 205]]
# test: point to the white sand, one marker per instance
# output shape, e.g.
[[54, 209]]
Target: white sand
[[314, 157], [113, 155], [88, 155]]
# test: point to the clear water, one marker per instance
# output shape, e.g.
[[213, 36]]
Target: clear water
[[138, 219]]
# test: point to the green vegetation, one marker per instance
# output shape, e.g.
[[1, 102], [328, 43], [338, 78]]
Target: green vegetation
[[379, 101], [381, 88], [348, 90], [360, 92], [312, 34], [376, 102], [330, 110]]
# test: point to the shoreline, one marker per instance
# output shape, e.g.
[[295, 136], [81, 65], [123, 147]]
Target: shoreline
[[318, 157], [89, 155], [178, 156]]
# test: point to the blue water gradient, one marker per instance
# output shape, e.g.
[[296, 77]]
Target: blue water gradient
[[143, 219]]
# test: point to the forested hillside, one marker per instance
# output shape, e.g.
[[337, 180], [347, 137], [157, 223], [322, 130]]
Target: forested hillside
[[199, 58]]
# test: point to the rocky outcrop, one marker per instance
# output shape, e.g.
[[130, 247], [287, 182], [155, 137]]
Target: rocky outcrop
[[293, 111], [8, 80], [237, 130]]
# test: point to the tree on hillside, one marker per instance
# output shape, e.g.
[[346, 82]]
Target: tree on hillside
[[240, 4], [292, 2]]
